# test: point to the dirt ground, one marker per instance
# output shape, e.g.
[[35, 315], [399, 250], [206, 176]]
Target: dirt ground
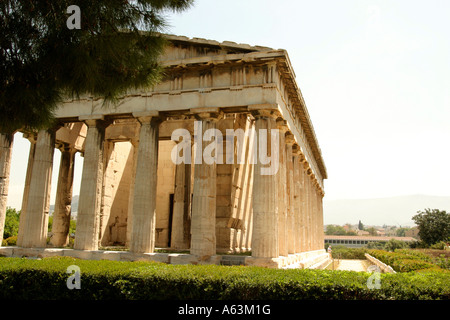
[[350, 264]]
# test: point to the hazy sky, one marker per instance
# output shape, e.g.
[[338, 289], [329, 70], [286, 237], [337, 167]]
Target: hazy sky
[[375, 76]]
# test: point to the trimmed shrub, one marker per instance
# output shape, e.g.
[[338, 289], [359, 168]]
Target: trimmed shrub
[[414, 253], [439, 245], [341, 252], [407, 260], [11, 241], [22, 278], [407, 265]]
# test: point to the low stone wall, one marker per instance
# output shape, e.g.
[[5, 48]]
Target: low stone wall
[[383, 267], [316, 259]]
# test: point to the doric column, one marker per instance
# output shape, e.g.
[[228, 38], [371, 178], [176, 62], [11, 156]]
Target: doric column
[[88, 216], [32, 137], [38, 204], [144, 202], [312, 218], [135, 148], [314, 213], [303, 206], [282, 196], [316, 219], [290, 222], [6, 144], [322, 234], [307, 208], [63, 201], [181, 199], [318, 214], [297, 178], [311, 213], [265, 193], [203, 222]]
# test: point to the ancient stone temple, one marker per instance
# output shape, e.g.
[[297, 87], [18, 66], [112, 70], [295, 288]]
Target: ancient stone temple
[[220, 157]]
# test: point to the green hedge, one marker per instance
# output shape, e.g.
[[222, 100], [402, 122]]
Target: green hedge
[[407, 260], [342, 252], [22, 278]]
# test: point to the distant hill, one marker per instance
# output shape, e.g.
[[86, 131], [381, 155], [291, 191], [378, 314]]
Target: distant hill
[[390, 211]]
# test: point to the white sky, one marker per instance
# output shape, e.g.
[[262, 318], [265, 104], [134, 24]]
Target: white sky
[[375, 76]]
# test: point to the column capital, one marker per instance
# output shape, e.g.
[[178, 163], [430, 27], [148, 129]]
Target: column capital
[[290, 139], [134, 142], [265, 113], [282, 125], [147, 116], [64, 147], [302, 157], [214, 114], [296, 150], [31, 136], [314, 181], [94, 121]]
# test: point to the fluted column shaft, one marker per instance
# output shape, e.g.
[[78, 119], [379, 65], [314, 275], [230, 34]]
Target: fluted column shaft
[[26, 190], [311, 213], [307, 212], [181, 206], [322, 234], [203, 222], [282, 195], [290, 221], [304, 212], [63, 201], [265, 197], [88, 216], [6, 144], [296, 166], [38, 204], [144, 203], [319, 215], [315, 215], [135, 148]]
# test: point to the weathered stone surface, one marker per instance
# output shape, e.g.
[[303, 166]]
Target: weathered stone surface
[[26, 191], [88, 217], [265, 200], [144, 203], [283, 201], [290, 219], [203, 223], [63, 201], [297, 179], [133, 194], [38, 204], [6, 143], [180, 239]]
